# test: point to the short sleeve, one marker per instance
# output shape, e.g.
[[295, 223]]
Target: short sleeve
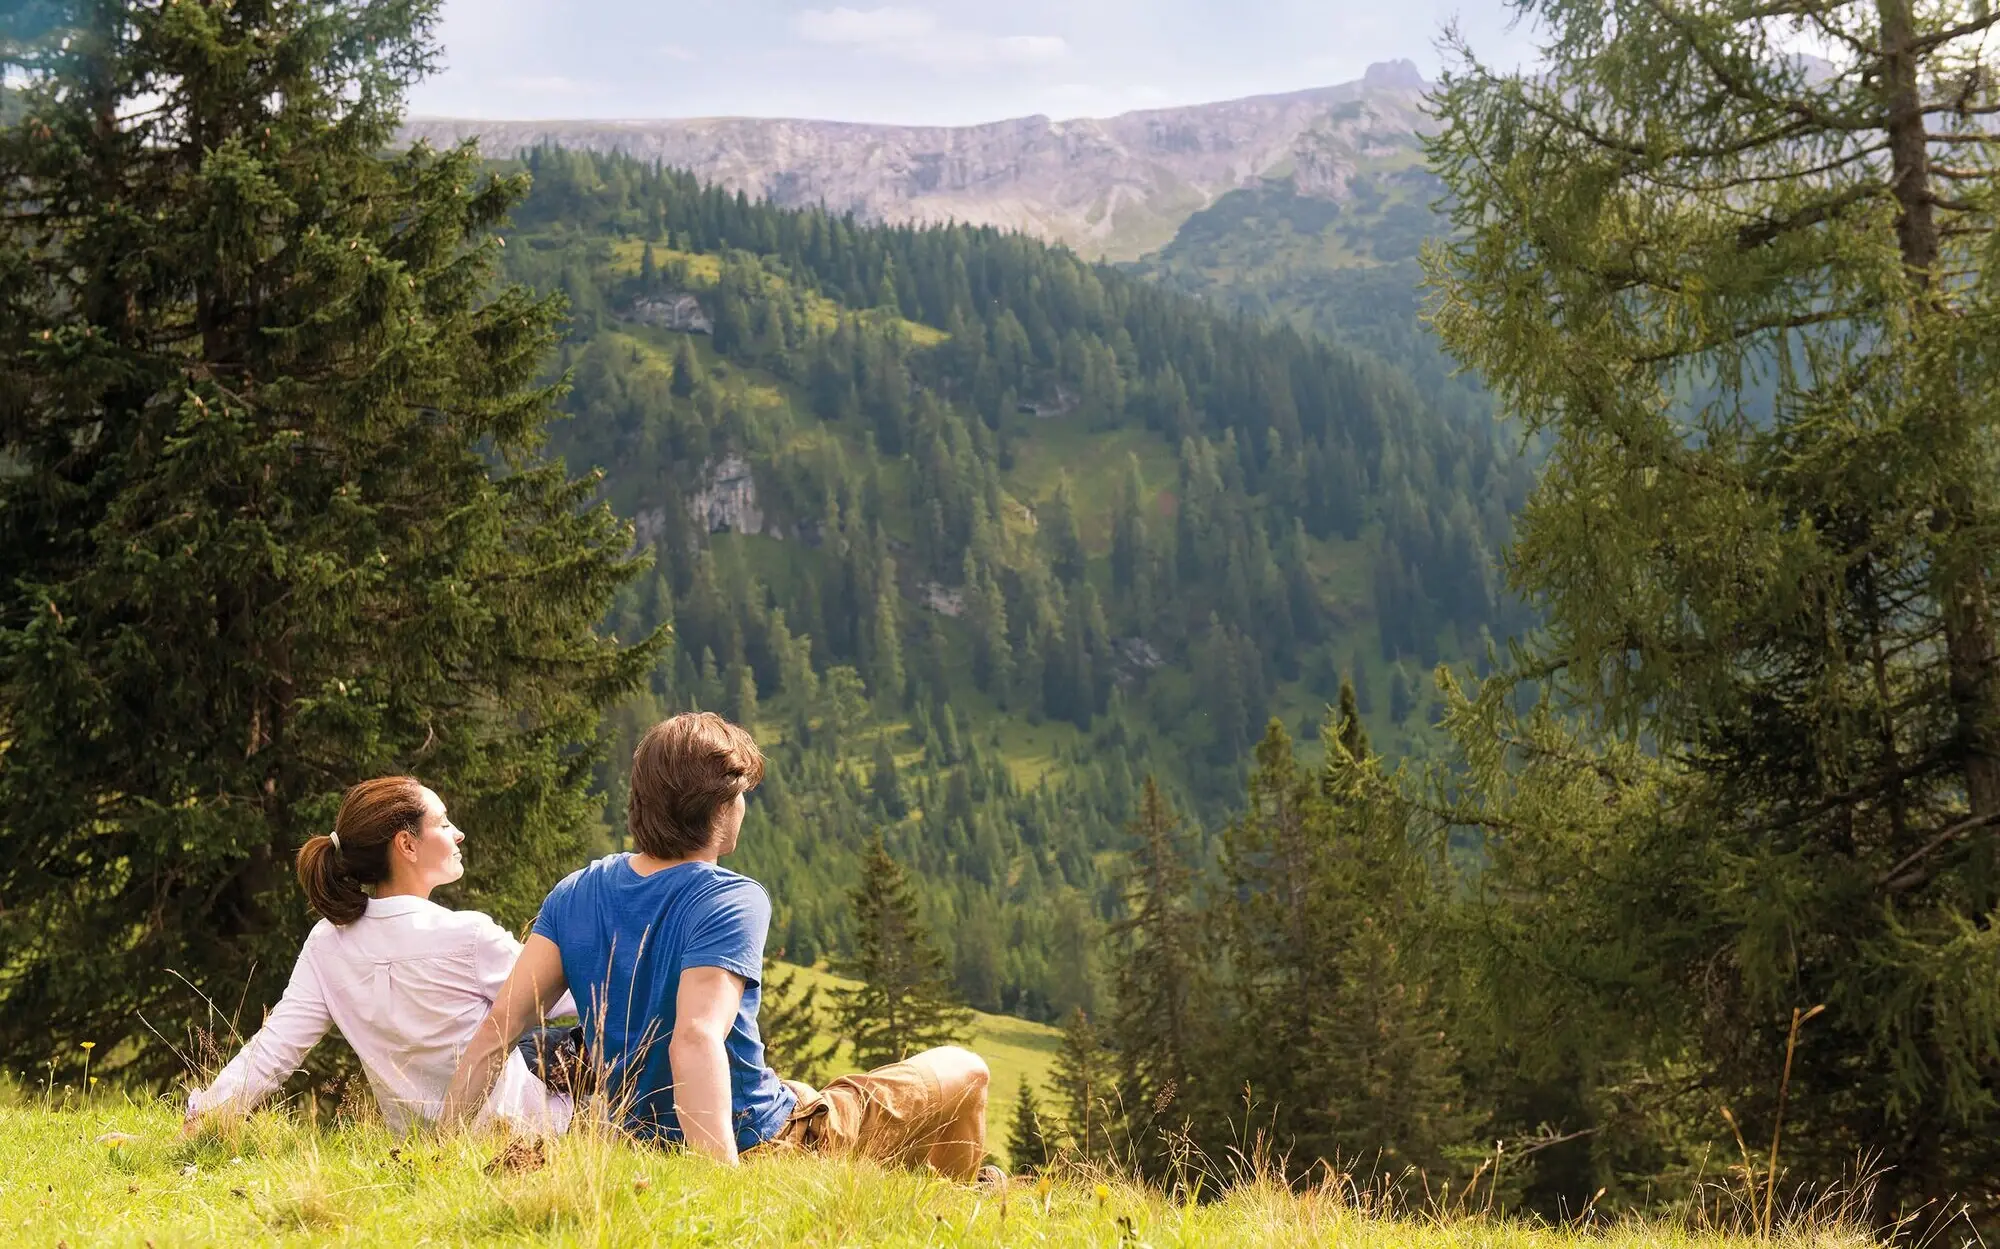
[[551, 920], [497, 952], [729, 931]]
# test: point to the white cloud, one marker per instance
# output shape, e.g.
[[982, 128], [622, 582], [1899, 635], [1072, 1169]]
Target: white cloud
[[917, 37], [1085, 99], [864, 27], [675, 52], [1025, 49], [547, 85]]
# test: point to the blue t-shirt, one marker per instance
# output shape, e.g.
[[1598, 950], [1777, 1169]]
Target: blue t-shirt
[[625, 940]]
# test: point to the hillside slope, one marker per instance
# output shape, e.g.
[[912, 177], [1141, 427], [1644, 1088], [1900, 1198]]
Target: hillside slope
[[1116, 187], [978, 535]]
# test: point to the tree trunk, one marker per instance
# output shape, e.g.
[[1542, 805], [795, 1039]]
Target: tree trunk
[[1958, 580]]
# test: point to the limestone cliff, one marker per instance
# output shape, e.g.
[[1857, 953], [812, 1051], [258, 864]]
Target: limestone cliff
[[1117, 187]]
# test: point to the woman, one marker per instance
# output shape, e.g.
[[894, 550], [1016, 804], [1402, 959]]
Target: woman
[[405, 980]]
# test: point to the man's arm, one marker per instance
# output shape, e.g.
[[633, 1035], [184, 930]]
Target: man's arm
[[704, 1009], [534, 984]]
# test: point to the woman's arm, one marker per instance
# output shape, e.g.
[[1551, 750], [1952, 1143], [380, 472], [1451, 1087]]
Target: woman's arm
[[704, 1009], [293, 1027], [532, 987]]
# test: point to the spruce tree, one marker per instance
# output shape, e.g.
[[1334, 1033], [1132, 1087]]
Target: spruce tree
[[275, 520], [1348, 729], [1748, 296], [688, 372], [1029, 1149], [1085, 1084], [885, 783], [1282, 926], [1394, 1098], [792, 1021], [904, 1002], [1160, 981]]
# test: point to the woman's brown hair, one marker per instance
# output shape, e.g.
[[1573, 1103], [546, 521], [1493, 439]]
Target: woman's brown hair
[[333, 869], [683, 772]]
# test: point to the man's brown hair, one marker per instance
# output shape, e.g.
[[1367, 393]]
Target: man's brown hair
[[683, 771]]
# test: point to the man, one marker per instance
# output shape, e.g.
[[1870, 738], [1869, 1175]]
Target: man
[[665, 952]]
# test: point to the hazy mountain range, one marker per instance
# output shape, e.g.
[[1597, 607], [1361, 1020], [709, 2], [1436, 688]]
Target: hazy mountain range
[[1117, 188]]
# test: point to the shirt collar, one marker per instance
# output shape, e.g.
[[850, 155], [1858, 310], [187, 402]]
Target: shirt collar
[[401, 904]]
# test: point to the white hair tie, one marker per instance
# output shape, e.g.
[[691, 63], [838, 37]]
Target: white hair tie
[[334, 837]]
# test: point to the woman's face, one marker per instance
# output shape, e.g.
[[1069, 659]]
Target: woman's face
[[431, 857]]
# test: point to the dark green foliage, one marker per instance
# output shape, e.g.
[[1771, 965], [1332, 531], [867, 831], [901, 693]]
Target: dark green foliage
[[1085, 1086], [1162, 981], [1029, 1147], [904, 1003], [1301, 996], [1402, 695], [1154, 621], [1749, 298], [885, 785], [277, 522], [1348, 271], [1283, 922], [793, 1021], [1395, 1097], [1353, 735]]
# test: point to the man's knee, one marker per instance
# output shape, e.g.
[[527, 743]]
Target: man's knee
[[957, 1068]]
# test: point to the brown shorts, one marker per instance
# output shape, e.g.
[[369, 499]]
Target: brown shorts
[[893, 1114]]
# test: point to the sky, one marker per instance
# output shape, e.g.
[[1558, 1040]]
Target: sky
[[926, 62]]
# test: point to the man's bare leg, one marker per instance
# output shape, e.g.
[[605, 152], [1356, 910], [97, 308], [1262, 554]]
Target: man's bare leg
[[959, 1144]]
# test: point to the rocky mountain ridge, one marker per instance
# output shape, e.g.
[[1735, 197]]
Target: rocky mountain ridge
[[1116, 187]]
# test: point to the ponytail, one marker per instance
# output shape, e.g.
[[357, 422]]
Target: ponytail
[[332, 870]]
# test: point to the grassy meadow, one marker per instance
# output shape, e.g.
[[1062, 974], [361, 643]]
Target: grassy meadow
[[66, 1180]]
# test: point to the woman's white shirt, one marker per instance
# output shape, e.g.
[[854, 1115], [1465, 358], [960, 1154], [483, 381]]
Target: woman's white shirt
[[407, 984]]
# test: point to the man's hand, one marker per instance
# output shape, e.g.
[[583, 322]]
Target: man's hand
[[533, 986], [704, 1010]]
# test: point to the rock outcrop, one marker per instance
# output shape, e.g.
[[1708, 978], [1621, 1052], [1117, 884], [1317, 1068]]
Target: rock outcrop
[[672, 310], [1117, 187], [727, 499]]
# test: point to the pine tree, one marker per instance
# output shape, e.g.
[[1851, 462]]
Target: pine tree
[[1779, 583], [1348, 729], [1402, 695], [1029, 1149], [275, 520], [688, 372], [1282, 927], [1395, 1099], [1085, 1084], [1129, 551], [904, 1003], [885, 783], [885, 633], [792, 1021], [1160, 978], [1060, 539], [739, 688]]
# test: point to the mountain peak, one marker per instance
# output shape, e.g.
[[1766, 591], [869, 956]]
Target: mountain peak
[[1400, 74]]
